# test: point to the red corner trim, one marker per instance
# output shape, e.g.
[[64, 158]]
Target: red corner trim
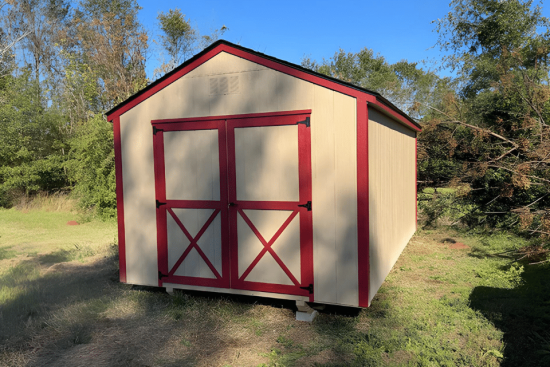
[[363, 201], [416, 180], [119, 201]]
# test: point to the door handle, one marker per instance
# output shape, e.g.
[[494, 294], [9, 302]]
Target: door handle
[[232, 204]]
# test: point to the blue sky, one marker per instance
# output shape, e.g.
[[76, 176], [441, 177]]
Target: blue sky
[[290, 30]]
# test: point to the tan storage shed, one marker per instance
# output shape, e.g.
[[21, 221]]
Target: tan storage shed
[[241, 173]]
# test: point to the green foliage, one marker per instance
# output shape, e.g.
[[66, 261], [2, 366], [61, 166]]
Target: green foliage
[[436, 205], [510, 278], [180, 39], [479, 33], [404, 83], [491, 135], [31, 143], [91, 166], [178, 35]]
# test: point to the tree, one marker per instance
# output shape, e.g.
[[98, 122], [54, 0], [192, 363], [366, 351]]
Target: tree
[[180, 40], [35, 24], [499, 117], [479, 33], [92, 166], [29, 139], [110, 46], [179, 37], [404, 83]]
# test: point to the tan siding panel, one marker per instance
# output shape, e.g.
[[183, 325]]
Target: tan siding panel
[[224, 63], [345, 148], [139, 197], [192, 165], [292, 93], [323, 203], [334, 158], [267, 163], [392, 202], [255, 95]]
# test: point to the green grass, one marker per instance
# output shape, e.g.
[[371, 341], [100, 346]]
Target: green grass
[[441, 190], [61, 302], [38, 231]]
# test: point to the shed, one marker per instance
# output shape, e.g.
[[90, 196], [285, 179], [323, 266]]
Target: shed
[[241, 173]]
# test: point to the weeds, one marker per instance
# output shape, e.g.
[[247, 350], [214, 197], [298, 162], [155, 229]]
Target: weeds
[[44, 201]]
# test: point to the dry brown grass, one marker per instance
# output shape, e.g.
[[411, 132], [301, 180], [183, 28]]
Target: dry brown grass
[[50, 202], [82, 316]]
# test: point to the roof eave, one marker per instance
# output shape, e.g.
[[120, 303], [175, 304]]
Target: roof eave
[[110, 114]]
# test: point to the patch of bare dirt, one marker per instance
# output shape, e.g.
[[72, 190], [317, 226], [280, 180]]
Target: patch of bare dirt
[[459, 246], [400, 358], [325, 357]]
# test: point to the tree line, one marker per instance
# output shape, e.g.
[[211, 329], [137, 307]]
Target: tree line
[[485, 129], [62, 65]]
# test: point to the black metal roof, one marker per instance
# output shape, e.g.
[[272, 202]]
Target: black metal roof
[[279, 61]]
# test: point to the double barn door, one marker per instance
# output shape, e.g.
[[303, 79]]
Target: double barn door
[[234, 202]]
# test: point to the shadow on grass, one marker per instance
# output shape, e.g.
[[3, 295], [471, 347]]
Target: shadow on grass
[[58, 256], [7, 253], [31, 293], [523, 314], [74, 314], [54, 316]]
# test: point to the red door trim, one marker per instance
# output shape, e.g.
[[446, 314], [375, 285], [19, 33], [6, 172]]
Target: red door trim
[[160, 195], [231, 117], [306, 228], [119, 200], [306, 217], [220, 207], [267, 247], [193, 243]]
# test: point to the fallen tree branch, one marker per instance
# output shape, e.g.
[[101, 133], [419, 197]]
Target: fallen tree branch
[[454, 121]]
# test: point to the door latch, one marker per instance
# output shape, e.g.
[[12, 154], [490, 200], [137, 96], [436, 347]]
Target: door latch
[[309, 288], [306, 205]]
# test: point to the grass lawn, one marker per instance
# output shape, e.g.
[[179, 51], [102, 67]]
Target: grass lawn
[[447, 302]]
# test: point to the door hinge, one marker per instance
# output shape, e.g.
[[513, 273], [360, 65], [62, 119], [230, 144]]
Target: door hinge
[[159, 204], [305, 122], [162, 275], [309, 288], [306, 205], [155, 130]]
